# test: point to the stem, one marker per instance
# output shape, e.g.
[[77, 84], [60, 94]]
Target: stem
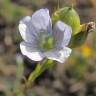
[[39, 69]]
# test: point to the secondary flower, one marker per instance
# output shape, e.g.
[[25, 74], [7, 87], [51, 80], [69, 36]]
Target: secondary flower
[[40, 25]]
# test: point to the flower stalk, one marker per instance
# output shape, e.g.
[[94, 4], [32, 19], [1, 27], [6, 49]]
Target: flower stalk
[[43, 65]]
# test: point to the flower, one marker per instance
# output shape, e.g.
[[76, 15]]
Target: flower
[[40, 23]]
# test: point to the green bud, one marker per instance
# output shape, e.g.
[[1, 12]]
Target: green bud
[[69, 16], [79, 38]]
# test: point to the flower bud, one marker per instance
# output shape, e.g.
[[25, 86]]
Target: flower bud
[[79, 39], [69, 16]]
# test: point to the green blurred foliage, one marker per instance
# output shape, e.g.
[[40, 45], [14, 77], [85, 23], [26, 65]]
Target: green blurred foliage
[[33, 93], [12, 12]]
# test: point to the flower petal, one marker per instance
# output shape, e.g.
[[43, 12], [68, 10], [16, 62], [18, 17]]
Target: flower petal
[[26, 29], [59, 55], [30, 28], [62, 34], [41, 21], [34, 53], [25, 20]]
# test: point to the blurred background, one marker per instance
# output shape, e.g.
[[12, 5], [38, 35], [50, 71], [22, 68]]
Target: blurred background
[[77, 77]]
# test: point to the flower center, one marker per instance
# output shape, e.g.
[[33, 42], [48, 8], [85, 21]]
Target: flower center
[[46, 40]]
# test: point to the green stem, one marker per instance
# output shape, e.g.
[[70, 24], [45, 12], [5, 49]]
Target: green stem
[[39, 69]]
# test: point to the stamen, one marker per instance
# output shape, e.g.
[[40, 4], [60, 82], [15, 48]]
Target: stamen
[[45, 40]]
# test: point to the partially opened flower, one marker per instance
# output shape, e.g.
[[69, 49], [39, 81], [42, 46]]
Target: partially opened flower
[[39, 27]]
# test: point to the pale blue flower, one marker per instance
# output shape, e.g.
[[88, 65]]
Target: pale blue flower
[[30, 29]]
